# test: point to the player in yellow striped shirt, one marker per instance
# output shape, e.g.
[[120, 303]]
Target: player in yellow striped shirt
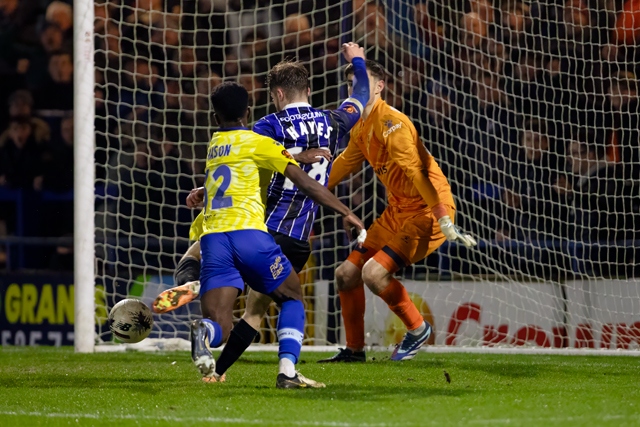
[[235, 245]]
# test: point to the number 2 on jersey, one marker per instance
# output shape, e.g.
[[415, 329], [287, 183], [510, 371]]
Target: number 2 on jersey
[[219, 200]]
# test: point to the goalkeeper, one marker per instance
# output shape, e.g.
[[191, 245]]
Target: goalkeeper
[[311, 136], [418, 219]]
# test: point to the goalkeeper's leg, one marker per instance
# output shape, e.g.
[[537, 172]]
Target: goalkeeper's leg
[[379, 279], [414, 241]]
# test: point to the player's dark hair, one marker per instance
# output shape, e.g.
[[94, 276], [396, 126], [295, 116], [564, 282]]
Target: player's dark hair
[[230, 101], [290, 76], [373, 67]]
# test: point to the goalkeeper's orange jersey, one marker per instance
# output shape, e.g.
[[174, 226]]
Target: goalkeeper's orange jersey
[[389, 142]]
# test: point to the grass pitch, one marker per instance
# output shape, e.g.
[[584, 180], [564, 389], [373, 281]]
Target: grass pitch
[[52, 387]]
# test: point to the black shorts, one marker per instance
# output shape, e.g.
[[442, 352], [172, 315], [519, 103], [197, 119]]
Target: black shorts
[[296, 251]]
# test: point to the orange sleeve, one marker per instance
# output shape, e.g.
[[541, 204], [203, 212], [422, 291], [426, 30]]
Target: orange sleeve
[[402, 145], [349, 161]]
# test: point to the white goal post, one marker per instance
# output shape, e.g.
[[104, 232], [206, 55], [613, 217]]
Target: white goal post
[[530, 108], [84, 166]]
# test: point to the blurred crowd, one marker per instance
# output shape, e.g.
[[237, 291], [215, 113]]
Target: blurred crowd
[[36, 126], [531, 109]]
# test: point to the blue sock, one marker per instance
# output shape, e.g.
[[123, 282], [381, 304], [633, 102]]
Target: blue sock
[[214, 331], [290, 330]]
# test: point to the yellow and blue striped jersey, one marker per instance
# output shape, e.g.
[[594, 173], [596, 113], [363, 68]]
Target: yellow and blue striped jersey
[[238, 162]]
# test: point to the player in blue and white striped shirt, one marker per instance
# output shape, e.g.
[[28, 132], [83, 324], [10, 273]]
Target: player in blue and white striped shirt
[[311, 136]]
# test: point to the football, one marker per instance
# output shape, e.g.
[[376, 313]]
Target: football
[[130, 320]]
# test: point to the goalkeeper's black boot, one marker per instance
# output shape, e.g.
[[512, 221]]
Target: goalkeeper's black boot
[[346, 355], [298, 381]]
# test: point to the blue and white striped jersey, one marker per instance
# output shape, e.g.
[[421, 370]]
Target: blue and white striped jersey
[[300, 127]]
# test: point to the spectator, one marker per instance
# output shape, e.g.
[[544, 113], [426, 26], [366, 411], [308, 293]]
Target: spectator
[[243, 18], [473, 30], [532, 204], [17, 33], [524, 84], [514, 21], [603, 216], [207, 81], [430, 31], [58, 160], [140, 195], [164, 42], [625, 122], [57, 92], [325, 72], [371, 32], [490, 125], [21, 105], [103, 12], [627, 30], [140, 95], [51, 41], [257, 95], [483, 8], [297, 39], [20, 157], [61, 14], [441, 132]]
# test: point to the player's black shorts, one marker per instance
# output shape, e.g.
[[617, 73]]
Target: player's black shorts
[[296, 251]]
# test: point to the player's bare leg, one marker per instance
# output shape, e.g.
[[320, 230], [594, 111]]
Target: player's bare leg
[[212, 330], [257, 306], [382, 283], [245, 331], [351, 290]]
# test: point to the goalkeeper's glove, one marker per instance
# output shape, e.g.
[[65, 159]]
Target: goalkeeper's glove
[[454, 233]]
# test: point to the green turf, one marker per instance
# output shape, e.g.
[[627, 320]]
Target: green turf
[[46, 386]]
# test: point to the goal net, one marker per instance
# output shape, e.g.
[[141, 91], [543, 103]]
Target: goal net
[[530, 108]]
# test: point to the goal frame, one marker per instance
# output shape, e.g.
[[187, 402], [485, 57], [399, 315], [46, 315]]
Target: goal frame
[[84, 205], [84, 176]]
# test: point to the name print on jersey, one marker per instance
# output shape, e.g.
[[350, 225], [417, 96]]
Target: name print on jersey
[[307, 128], [218, 151]]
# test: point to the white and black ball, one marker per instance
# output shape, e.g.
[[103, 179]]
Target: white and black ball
[[130, 320]]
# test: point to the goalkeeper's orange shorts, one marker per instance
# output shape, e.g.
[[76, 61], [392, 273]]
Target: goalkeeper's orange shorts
[[400, 238]]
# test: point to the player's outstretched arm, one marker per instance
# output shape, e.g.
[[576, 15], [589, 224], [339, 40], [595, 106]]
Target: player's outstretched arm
[[321, 195], [361, 90]]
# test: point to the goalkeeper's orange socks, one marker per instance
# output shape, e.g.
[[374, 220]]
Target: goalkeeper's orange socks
[[353, 306], [397, 298], [240, 338]]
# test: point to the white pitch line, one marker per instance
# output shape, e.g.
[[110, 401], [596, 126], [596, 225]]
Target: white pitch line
[[187, 419], [493, 421]]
